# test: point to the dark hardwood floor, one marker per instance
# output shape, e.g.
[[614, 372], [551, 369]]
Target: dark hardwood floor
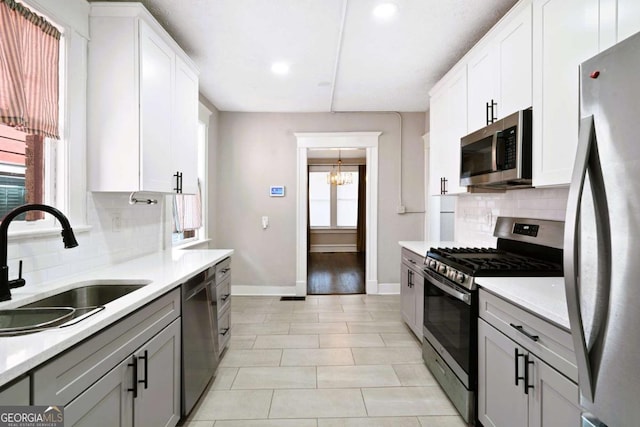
[[335, 273]]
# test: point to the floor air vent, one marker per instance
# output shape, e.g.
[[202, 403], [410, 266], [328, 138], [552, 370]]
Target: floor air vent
[[292, 298]]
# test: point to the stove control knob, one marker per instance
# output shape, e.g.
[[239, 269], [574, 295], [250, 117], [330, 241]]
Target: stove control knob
[[433, 264], [442, 269], [461, 277]]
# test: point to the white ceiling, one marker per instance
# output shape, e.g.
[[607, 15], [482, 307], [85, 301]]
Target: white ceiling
[[341, 57]]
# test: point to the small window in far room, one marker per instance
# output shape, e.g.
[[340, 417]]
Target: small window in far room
[[331, 205]]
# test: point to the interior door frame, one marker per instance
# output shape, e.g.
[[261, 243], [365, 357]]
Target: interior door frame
[[328, 140]]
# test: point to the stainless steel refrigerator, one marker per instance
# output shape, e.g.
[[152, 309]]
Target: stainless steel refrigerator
[[602, 238]]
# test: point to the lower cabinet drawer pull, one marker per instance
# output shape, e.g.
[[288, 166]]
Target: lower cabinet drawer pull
[[520, 329], [517, 356], [224, 297], [224, 331], [146, 369], [134, 365], [527, 362]]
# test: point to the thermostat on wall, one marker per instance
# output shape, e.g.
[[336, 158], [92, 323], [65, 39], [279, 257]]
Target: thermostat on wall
[[276, 191]]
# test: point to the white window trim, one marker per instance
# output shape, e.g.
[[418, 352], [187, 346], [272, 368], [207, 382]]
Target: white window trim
[[71, 194]]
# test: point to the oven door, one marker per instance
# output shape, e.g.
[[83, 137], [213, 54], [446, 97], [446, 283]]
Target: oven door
[[449, 324]]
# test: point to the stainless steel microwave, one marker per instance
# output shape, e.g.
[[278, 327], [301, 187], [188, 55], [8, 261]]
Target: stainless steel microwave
[[498, 155]]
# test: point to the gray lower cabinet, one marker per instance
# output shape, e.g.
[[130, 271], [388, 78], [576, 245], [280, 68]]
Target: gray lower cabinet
[[16, 392], [154, 403], [412, 291], [126, 375], [223, 303], [106, 403], [515, 386]]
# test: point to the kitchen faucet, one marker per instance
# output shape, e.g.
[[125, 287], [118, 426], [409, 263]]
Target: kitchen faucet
[[67, 237]]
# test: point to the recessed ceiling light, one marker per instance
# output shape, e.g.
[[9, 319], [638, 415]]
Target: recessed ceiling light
[[280, 68], [385, 10]]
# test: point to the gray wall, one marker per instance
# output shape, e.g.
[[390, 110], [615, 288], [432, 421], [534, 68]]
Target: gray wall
[[256, 150]]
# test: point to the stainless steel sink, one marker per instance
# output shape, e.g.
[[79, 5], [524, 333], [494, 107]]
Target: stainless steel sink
[[79, 303], [86, 296], [19, 321]]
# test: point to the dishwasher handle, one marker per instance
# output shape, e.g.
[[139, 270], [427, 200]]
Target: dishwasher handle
[[190, 290]]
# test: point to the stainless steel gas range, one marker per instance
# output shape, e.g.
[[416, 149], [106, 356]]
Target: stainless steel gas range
[[525, 247]]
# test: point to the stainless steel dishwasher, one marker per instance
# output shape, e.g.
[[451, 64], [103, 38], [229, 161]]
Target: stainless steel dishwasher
[[199, 349]]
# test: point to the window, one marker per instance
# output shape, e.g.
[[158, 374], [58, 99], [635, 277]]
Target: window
[[31, 154], [332, 206]]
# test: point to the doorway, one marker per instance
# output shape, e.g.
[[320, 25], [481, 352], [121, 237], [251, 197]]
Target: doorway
[[336, 231], [368, 141]]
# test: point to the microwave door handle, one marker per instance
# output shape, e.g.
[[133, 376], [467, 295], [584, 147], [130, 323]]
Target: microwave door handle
[[499, 152], [587, 160], [495, 161]]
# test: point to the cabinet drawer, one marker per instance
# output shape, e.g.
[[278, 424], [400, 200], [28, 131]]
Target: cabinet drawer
[[549, 342], [223, 270], [412, 258], [224, 329], [223, 295], [64, 378], [16, 392]]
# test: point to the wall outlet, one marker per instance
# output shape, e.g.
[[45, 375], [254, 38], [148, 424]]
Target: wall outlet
[[401, 209]]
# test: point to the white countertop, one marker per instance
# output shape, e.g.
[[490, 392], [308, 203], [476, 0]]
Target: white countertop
[[543, 296], [164, 270]]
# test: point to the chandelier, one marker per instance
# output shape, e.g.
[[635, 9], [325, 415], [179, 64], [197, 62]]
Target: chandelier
[[337, 177]]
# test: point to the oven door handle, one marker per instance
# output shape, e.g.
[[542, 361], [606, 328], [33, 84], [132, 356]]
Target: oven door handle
[[464, 297]]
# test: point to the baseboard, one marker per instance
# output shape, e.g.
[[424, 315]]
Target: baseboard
[[257, 290], [333, 248], [388, 288]]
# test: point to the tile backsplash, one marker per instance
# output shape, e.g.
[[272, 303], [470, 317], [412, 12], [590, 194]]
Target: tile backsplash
[[119, 231], [476, 213]]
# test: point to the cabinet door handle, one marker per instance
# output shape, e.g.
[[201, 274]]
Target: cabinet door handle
[[178, 187], [494, 106], [134, 388], [224, 297], [486, 113], [224, 331], [520, 329], [443, 185], [146, 369], [517, 356], [527, 362]]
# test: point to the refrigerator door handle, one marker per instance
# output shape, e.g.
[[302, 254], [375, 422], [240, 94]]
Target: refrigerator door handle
[[587, 159]]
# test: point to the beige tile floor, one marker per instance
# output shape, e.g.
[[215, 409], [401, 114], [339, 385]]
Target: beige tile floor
[[329, 361]]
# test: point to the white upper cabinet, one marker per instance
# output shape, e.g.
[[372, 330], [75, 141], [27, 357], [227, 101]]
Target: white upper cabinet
[[142, 104], [448, 123], [566, 33], [184, 150], [499, 70], [482, 72], [515, 62], [157, 67]]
